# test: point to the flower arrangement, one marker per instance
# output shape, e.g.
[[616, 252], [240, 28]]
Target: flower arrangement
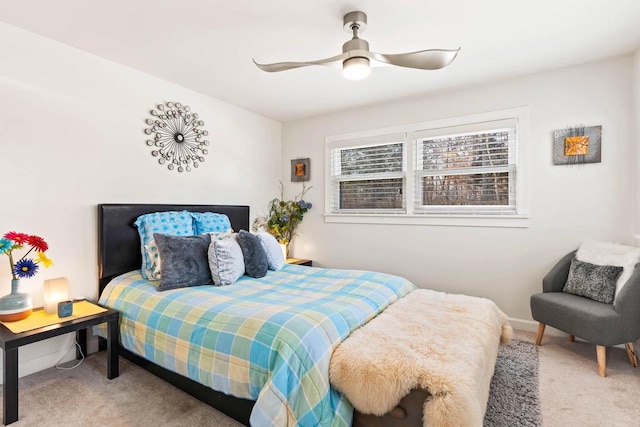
[[284, 216], [25, 267]]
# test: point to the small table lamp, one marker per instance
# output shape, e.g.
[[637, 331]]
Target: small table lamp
[[55, 291]]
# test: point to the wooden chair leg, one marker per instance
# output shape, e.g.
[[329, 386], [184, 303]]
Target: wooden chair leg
[[601, 352], [540, 333], [632, 354], [572, 338]]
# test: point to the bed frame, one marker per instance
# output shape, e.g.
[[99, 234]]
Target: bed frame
[[119, 252]]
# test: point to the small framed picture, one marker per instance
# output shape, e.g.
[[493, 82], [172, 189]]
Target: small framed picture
[[300, 170], [577, 145]]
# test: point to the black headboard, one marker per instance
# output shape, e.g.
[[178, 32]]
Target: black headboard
[[119, 242]]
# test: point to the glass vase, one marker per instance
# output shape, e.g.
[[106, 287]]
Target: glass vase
[[16, 305], [285, 250]]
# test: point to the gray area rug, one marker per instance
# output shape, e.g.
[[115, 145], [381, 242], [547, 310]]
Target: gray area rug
[[514, 393]]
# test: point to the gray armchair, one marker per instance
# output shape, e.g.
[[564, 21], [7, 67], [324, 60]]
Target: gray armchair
[[602, 324]]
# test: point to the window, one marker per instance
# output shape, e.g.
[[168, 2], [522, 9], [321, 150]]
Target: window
[[461, 171], [368, 176], [466, 169]]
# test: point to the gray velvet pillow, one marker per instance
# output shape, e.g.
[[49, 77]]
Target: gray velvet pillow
[[596, 282], [184, 260], [255, 259]]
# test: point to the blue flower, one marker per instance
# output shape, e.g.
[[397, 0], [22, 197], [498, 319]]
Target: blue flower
[[304, 205], [5, 245], [25, 268], [284, 218]]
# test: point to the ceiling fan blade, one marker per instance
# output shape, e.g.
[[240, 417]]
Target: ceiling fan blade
[[431, 59], [282, 66]]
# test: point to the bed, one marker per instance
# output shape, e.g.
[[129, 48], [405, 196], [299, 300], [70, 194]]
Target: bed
[[294, 348], [298, 376]]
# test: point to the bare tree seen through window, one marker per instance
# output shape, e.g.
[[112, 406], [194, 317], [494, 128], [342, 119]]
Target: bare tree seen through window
[[455, 165], [371, 187]]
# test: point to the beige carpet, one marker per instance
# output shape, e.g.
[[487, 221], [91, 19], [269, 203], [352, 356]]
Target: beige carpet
[[85, 397], [572, 393]]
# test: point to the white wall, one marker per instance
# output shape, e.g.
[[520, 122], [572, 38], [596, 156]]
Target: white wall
[[568, 205], [71, 136]]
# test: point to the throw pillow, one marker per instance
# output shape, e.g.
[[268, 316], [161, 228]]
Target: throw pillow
[[597, 282], [226, 261], [208, 222], [184, 260], [154, 256], [255, 259], [219, 235], [275, 258], [606, 253], [175, 223], [155, 271]]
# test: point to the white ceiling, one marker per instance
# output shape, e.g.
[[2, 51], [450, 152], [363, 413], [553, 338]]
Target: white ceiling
[[207, 45]]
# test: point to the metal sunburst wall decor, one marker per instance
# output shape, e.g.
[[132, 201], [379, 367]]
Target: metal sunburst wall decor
[[178, 140]]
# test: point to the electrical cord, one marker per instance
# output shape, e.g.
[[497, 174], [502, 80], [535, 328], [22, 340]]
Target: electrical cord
[[68, 368]]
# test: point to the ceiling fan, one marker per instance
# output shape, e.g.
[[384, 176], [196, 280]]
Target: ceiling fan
[[356, 56]]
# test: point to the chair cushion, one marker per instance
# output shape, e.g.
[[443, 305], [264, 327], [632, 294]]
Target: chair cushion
[[596, 282], [590, 320]]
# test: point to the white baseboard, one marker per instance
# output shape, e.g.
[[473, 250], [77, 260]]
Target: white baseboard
[[532, 326], [45, 354]]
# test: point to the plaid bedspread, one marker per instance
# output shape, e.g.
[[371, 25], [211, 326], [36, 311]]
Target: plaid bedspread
[[269, 339]]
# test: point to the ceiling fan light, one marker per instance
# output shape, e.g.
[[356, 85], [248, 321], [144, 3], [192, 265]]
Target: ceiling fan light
[[356, 68]]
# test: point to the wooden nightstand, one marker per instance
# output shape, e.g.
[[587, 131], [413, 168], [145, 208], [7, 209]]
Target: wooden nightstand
[[10, 342], [305, 262]]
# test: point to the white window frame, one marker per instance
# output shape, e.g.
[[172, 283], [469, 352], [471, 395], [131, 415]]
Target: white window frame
[[519, 219]]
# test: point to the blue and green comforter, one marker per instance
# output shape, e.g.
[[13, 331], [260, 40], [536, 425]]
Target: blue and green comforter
[[269, 339]]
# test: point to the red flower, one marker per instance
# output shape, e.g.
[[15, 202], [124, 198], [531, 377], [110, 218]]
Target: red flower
[[38, 243], [18, 238]]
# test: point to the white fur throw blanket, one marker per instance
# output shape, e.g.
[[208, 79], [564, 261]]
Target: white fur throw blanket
[[606, 253], [445, 344]]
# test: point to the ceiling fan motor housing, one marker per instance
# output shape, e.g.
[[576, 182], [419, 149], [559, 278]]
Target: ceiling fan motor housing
[[355, 44], [357, 65]]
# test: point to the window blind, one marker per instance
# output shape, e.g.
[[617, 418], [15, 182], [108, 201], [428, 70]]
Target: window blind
[[368, 177], [466, 170]]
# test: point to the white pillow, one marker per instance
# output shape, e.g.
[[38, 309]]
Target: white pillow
[[605, 253], [219, 235], [275, 258], [226, 261]]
